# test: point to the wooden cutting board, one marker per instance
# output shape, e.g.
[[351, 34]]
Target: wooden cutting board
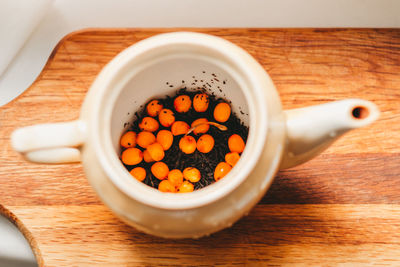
[[343, 207]]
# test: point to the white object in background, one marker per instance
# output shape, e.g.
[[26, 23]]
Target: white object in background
[[66, 16], [18, 19], [15, 250]]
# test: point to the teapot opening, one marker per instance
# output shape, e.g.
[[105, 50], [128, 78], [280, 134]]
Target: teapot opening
[[161, 73], [360, 112]]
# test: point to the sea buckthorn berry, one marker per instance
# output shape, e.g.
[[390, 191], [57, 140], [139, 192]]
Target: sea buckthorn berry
[[175, 177], [139, 173], [147, 157], [154, 107], [144, 139], [186, 187], [182, 103], [179, 127], [128, 139], [200, 102], [202, 127], [165, 139], [166, 187], [160, 170], [132, 156], [156, 151], [192, 174], [221, 170], [236, 143], [187, 144], [232, 158], [149, 124], [205, 143], [166, 117], [222, 112]]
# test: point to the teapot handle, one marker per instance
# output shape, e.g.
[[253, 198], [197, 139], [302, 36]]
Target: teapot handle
[[51, 142]]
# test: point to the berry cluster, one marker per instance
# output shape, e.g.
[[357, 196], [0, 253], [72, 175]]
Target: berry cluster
[[151, 143]]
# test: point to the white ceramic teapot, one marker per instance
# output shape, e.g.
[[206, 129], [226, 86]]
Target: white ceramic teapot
[[277, 139]]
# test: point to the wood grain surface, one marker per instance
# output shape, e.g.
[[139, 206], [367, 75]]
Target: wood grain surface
[[342, 208]]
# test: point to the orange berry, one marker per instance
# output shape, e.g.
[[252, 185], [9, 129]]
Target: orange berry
[[182, 103], [156, 151], [179, 127], [147, 157], [221, 170], [192, 174], [236, 143], [175, 177], [166, 117], [203, 128], [154, 107], [144, 139], [132, 156], [205, 143], [128, 139], [165, 139], [232, 158], [200, 102], [187, 144], [139, 173], [222, 112], [160, 170], [186, 187], [166, 187], [149, 124]]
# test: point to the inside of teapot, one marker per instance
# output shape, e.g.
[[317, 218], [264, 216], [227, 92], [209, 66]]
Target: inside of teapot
[[167, 75]]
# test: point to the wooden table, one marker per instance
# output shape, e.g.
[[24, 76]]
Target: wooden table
[[343, 207]]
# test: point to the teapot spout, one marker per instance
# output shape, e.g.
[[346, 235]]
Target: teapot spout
[[311, 130]]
